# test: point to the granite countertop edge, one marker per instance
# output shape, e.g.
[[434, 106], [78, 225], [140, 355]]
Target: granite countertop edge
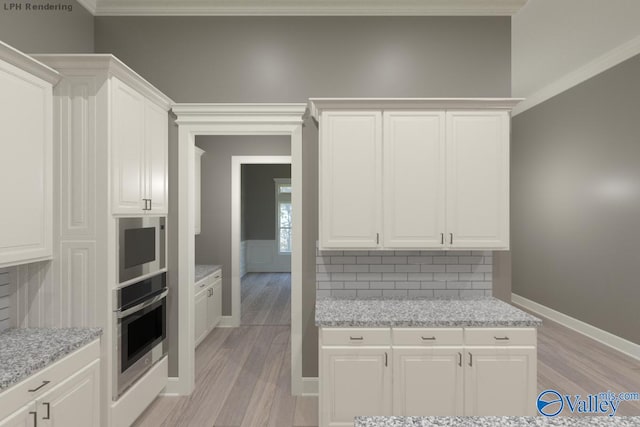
[[25, 351], [202, 271]]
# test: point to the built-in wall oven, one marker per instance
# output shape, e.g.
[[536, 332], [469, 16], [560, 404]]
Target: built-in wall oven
[[141, 247], [140, 325]]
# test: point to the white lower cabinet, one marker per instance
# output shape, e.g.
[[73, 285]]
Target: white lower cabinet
[[355, 381], [201, 326], [208, 305], [65, 394], [426, 372], [23, 417]]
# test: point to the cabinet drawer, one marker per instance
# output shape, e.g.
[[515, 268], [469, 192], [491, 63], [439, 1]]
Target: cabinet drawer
[[356, 336], [500, 336], [201, 285], [427, 336]]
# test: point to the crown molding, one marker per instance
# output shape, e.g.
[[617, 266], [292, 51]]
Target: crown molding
[[28, 63], [90, 5], [239, 113], [591, 69], [81, 64], [304, 8], [317, 105]]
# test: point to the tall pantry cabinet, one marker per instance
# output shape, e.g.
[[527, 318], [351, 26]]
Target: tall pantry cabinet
[[26, 144], [414, 173], [110, 161]]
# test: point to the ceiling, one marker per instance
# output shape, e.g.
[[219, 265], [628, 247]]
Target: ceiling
[[304, 7]]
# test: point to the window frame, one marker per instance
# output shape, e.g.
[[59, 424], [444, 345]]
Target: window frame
[[281, 182]]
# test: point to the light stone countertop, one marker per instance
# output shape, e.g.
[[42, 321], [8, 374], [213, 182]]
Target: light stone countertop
[[420, 312], [496, 421], [204, 270], [23, 352]]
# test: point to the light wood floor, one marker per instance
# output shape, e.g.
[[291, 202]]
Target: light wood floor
[[266, 299], [243, 375]]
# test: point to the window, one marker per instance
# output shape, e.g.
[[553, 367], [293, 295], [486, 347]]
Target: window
[[283, 214]]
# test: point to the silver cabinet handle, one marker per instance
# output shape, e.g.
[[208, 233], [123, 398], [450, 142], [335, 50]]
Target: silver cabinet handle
[[428, 338], [377, 238], [48, 417], [150, 204], [470, 359], [386, 359], [442, 238], [459, 359], [35, 418], [44, 383], [356, 338], [501, 338], [451, 238]]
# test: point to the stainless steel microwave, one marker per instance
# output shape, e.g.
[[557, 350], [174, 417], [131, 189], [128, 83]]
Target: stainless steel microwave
[[142, 247]]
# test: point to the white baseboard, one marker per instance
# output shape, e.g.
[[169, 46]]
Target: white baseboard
[[310, 386], [617, 343], [173, 387], [227, 322]]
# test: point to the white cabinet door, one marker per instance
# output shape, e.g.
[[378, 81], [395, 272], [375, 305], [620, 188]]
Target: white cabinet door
[[414, 179], [75, 402], [23, 417], [428, 381], [350, 179], [156, 158], [215, 305], [500, 381], [128, 138], [478, 179], [198, 188], [202, 320], [354, 381], [26, 166]]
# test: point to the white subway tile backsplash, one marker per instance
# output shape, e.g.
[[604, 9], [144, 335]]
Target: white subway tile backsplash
[[411, 272]]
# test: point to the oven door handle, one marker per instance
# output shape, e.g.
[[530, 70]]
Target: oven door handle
[[122, 314]]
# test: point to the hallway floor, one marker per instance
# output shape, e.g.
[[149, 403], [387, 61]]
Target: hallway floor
[[243, 375]]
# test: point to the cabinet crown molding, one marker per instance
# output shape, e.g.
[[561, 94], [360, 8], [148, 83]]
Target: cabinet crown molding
[[28, 63], [239, 113], [317, 105], [83, 64]]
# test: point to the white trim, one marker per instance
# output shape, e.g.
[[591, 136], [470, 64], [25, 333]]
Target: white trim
[[226, 322], [29, 64], [90, 5], [316, 105], [233, 119], [620, 344], [310, 386], [172, 388], [236, 179], [581, 74], [307, 8]]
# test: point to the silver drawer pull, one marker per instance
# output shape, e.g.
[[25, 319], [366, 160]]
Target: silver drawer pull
[[356, 338], [428, 338], [44, 383], [502, 338]]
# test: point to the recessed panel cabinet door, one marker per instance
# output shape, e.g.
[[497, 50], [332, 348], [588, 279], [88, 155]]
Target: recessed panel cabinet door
[[128, 137], [350, 179], [414, 179], [428, 381], [74, 403], [156, 156], [202, 319], [25, 166], [355, 381], [500, 381], [478, 179], [23, 417]]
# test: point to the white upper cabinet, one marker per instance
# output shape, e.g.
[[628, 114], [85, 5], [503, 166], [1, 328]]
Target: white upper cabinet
[[157, 157], [414, 179], [26, 159], [433, 175], [350, 179], [478, 179]]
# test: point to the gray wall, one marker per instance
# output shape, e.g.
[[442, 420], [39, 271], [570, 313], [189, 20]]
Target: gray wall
[[284, 59], [575, 201], [213, 244], [259, 205], [52, 31]]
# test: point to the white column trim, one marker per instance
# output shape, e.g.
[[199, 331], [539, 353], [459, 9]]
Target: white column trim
[[610, 340], [581, 74], [233, 119]]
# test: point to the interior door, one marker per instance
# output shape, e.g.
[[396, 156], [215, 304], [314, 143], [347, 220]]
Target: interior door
[[414, 179]]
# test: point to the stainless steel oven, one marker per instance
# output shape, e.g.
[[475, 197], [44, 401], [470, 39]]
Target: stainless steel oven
[[140, 322], [141, 247]]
